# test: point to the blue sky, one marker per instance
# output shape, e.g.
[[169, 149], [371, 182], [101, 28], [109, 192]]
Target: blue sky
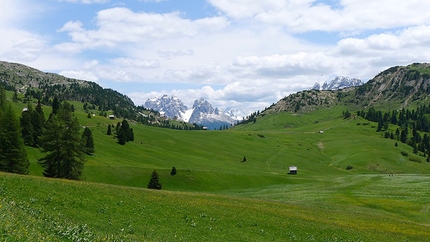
[[244, 54]]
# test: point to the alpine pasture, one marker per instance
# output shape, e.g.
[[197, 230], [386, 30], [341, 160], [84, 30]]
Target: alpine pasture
[[216, 197]]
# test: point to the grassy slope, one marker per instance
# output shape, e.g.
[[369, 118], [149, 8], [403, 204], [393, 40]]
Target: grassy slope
[[250, 201]]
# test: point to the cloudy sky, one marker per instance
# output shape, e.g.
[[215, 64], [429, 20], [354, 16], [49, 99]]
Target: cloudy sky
[[245, 54]]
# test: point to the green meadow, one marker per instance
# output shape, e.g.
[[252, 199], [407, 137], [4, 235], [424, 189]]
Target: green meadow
[[216, 197]]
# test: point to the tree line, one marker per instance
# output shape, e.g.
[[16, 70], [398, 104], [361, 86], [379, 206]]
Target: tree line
[[61, 138], [410, 126]]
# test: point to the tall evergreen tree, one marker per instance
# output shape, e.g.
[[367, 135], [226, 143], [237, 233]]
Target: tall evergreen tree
[[51, 144], [154, 182], [63, 144], [27, 131], [55, 105], [121, 137], [13, 157], [87, 139], [37, 123], [109, 130]]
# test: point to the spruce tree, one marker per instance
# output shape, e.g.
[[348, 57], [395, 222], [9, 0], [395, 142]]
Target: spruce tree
[[87, 139], [27, 131], [173, 172], [154, 182], [13, 157], [55, 105], [109, 130], [121, 137], [63, 144], [37, 123]]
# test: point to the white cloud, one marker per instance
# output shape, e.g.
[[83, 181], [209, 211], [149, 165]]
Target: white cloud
[[129, 62], [122, 25], [80, 75], [86, 1], [312, 15]]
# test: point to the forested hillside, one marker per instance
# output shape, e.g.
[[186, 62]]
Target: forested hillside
[[35, 84]]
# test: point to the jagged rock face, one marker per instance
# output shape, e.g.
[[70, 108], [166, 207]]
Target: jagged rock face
[[170, 106], [202, 112], [205, 114], [339, 82]]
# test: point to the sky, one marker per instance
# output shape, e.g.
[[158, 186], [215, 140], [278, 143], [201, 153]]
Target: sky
[[241, 54]]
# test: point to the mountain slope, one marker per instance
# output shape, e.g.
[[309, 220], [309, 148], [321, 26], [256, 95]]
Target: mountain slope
[[395, 88], [44, 86]]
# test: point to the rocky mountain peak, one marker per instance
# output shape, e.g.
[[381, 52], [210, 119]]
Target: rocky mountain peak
[[339, 82]]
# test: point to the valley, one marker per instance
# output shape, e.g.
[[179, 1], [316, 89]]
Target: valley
[[352, 183]]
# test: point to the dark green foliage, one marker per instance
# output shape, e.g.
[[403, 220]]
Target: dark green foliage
[[37, 121], [121, 137], [244, 159], [346, 114], [62, 142], [173, 172], [55, 105], [109, 130], [154, 182], [87, 139], [349, 167], [27, 127], [13, 157], [124, 132]]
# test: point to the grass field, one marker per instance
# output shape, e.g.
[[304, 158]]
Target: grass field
[[216, 197]]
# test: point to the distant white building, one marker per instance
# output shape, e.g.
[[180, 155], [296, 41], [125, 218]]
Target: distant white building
[[293, 170]]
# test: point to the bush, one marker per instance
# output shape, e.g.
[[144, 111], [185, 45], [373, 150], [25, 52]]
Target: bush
[[173, 172], [404, 153], [349, 167], [415, 159], [154, 182]]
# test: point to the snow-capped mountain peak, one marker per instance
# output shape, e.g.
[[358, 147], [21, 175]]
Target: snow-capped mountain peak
[[202, 112], [337, 83]]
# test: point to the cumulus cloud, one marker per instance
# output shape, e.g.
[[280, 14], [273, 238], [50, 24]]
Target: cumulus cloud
[[122, 25], [129, 62], [313, 15]]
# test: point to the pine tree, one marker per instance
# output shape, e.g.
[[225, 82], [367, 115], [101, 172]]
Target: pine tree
[[87, 139], [154, 182], [27, 131], [109, 130], [63, 144], [173, 172], [51, 144], [121, 137], [37, 123], [55, 105], [13, 157]]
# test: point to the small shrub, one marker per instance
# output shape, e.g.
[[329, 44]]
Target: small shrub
[[173, 172], [404, 153], [415, 159], [261, 136], [349, 167]]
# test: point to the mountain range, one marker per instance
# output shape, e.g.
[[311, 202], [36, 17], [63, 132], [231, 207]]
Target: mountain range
[[202, 112], [339, 82], [394, 88]]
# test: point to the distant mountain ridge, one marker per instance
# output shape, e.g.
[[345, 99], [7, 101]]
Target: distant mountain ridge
[[339, 82], [202, 112], [395, 88], [34, 83]]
